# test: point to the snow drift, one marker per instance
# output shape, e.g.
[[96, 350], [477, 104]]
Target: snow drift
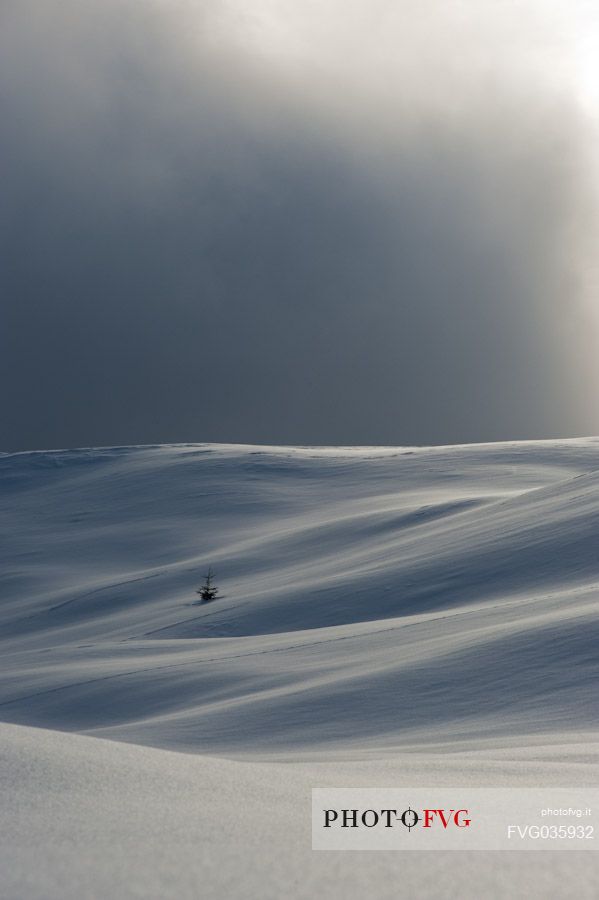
[[397, 609], [372, 598]]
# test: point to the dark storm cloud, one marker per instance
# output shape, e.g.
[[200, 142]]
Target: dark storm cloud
[[224, 226]]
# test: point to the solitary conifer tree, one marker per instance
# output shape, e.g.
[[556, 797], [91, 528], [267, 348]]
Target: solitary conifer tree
[[207, 591]]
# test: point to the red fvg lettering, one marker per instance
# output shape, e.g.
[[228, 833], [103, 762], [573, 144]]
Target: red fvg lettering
[[457, 817]]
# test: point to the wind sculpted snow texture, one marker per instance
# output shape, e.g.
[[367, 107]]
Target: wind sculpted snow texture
[[386, 614]]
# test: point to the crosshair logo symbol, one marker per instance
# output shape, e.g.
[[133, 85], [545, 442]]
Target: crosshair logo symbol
[[410, 818]]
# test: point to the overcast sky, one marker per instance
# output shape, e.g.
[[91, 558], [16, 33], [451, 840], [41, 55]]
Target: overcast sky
[[291, 221]]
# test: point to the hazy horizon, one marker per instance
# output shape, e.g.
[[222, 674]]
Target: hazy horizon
[[305, 224]]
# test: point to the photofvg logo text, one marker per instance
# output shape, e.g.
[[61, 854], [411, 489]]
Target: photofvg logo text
[[390, 818], [453, 818]]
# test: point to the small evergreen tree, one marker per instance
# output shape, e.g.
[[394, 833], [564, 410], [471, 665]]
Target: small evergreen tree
[[207, 591]]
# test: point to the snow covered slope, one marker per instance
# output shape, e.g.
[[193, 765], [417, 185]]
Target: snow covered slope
[[386, 613], [88, 818], [376, 598]]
